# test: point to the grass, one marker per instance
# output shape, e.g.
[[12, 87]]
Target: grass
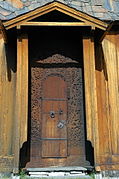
[[65, 177], [26, 177]]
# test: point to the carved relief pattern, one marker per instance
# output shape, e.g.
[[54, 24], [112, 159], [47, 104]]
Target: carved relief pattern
[[76, 126], [36, 74], [73, 77]]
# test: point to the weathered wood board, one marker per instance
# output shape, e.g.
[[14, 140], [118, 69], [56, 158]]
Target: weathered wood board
[[107, 82], [7, 102]]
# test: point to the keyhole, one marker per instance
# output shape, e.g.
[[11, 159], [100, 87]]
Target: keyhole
[[60, 112], [52, 114]]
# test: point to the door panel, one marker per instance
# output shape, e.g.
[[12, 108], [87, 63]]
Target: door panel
[[57, 113], [54, 116], [54, 87], [54, 148]]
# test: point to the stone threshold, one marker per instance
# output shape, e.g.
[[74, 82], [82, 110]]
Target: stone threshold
[[54, 169], [58, 172]]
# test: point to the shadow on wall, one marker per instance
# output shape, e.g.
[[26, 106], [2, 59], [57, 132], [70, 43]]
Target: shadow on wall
[[89, 152], [11, 54], [100, 63], [24, 155]]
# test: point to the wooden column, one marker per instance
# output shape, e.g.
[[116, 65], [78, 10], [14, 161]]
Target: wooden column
[[7, 91], [103, 109], [90, 91], [24, 91], [110, 49], [21, 115], [2, 84], [102, 119]]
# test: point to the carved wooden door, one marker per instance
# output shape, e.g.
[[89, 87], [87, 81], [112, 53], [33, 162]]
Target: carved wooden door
[[57, 113]]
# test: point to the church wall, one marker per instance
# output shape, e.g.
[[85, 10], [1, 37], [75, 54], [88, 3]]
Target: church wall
[[7, 104], [107, 80]]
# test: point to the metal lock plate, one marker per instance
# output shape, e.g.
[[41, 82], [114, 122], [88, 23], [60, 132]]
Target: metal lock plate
[[61, 124]]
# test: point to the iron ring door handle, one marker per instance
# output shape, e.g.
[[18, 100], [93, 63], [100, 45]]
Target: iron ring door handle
[[60, 125]]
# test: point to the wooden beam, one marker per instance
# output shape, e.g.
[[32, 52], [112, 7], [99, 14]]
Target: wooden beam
[[61, 8], [24, 89], [30, 15], [81, 15], [106, 32], [54, 24], [17, 106], [90, 91], [11, 25], [110, 50], [86, 18], [21, 107], [3, 31]]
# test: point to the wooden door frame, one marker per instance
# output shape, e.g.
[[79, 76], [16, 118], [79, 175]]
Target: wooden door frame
[[22, 94], [21, 108], [90, 93]]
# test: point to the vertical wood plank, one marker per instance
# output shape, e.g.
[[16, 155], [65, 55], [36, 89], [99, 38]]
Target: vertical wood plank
[[18, 105], [86, 54], [109, 46], [21, 97], [106, 138], [102, 106], [117, 69], [90, 92], [1, 96], [24, 90], [5, 98], [7, 91]]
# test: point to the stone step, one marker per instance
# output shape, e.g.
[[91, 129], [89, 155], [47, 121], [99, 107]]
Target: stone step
[[50, 177], [66, 174], [53, 169], [58, 177], [58, 172]]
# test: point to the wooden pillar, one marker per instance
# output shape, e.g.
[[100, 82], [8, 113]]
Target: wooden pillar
[[7, 90], [21, 97], [110, 49], [90, 91], [24, 91], [2, 84]]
